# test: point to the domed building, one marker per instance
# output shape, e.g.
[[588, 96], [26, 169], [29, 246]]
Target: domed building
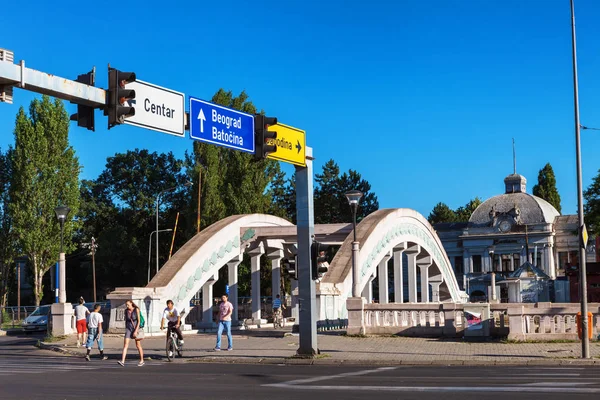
[[508, 230]]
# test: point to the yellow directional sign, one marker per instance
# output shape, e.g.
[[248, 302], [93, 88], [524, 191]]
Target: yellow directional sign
[[291, 145]]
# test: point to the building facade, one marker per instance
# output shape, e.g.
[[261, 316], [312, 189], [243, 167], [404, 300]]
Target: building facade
[[508, 230]]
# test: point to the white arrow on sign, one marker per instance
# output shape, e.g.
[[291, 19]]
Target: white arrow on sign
[[202, 118]]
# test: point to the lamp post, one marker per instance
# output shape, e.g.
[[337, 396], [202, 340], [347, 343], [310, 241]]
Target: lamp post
[[150, 248], [354, 197], [585, 342], [493, 273], [61, 213], [187, 184]]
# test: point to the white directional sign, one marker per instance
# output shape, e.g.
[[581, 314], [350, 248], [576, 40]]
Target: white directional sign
[[157, 108]]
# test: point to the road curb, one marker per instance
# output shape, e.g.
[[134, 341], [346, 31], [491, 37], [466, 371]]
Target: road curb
[[56, 348], [327, 361]]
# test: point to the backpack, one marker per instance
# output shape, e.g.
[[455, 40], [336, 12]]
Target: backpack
[[142, 320]]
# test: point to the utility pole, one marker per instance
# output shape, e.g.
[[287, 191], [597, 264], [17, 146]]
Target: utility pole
[[94, 266], [19, 289], [585, 342], [199, 196]]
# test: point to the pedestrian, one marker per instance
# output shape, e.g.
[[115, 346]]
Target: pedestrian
[[132, 331], [95, 333], [225, 311], [81, 312]]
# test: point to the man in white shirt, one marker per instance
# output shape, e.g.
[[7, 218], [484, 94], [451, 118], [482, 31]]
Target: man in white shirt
[[174, 321], [95, 333]]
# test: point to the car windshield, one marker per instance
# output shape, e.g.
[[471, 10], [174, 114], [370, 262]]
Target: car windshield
[[43, 310]]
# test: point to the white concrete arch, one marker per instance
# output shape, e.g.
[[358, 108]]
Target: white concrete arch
[[381, 234], [192, 266]]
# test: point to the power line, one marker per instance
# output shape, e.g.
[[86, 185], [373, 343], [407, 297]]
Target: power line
[[593, 129]]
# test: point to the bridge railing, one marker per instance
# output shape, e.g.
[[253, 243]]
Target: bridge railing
[[516, 321]]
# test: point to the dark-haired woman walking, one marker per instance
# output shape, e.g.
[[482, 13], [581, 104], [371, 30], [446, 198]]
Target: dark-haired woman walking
[[132, 331]]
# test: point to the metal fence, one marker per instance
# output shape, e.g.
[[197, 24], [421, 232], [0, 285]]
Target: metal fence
[[11, 316]]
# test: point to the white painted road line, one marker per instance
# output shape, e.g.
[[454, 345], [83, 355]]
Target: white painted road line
[[471, 389], [344, 375]]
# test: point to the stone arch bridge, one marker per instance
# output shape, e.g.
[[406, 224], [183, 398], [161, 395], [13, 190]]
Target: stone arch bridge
[[399, 234]]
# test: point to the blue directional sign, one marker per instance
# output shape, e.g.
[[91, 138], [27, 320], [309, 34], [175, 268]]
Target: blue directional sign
[[220, 125]]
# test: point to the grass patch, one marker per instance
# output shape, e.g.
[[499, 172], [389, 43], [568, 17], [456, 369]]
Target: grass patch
[[360, 336], [321, 356], [53, 339]]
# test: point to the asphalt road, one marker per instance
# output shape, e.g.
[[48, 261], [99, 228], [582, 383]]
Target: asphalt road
[[26, 372]]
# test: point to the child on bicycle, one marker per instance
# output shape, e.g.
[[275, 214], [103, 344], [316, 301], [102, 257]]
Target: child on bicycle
[[277, 306], [172, 315]]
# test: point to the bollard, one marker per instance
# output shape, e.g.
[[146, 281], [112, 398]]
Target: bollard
[[590, 325]]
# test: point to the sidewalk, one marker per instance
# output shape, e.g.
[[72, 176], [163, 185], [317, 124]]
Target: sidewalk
[[268, 346]]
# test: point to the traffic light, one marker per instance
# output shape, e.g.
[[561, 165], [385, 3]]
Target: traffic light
[[118, 99], [291, 266], [263, 136], [318, 258], [85, 114]]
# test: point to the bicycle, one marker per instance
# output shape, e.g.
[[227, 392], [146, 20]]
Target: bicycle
[[278, 320], [173, 345]]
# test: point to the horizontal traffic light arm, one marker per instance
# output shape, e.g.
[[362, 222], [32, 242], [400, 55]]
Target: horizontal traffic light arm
[[41, 82]]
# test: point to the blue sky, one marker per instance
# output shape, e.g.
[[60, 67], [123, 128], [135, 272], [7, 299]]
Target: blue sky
[[423, 97]]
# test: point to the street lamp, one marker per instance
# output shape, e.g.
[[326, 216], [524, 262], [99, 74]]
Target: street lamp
[[493, 273], [149, 248], [61, 213], [354, 197], [187, 184]]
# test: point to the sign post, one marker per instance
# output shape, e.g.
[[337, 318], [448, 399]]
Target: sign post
[[222, 126], [306, 286]]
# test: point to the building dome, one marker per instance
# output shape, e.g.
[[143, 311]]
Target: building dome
[[514, 206]]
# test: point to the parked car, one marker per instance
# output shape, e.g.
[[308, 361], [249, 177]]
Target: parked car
[[37, 320]]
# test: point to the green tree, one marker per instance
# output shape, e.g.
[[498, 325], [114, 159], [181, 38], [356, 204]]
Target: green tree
[[463, 213], [592, 206], [331, 205], [119, 210], [441, 213], [546, 187], [7, 234], [45, 174], [326, 194]]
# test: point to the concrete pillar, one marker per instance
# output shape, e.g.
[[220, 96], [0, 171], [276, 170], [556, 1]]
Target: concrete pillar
[[424, 283], [384, 293], [512, 262], [232, 281], [62, 315], [435, 291], [62, 277], [207, 303], [424, 263], [255, 255], [275, 257], [549, 261], [412, 277], [368, 290], [398, 277]]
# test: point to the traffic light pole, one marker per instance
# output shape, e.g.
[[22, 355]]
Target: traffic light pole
[[306, 286], [18, 75]]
